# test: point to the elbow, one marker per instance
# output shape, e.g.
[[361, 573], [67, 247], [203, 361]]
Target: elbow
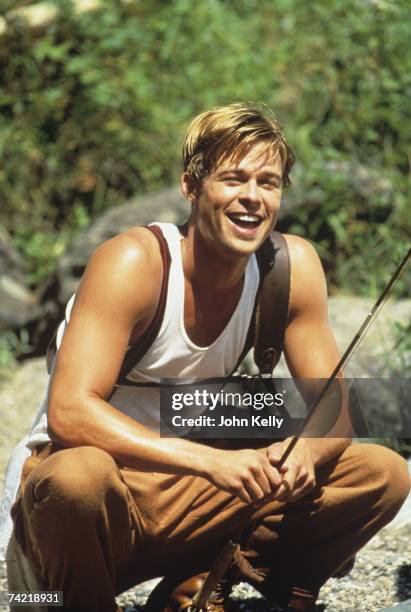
[[62, 423], [57, 426]]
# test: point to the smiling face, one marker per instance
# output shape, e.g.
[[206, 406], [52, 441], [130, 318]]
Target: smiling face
[[236, 206]]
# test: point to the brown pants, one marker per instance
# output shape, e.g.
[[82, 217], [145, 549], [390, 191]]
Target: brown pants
[[92, 529]]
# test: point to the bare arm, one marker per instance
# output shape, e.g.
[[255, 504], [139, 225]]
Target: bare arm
[[311, 353], [119, 290], [310, 348]]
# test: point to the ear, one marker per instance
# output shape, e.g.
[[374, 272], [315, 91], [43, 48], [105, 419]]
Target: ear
[[188, 187]]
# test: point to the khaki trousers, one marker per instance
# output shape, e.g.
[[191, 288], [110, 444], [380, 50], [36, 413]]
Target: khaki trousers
[[92, 528]]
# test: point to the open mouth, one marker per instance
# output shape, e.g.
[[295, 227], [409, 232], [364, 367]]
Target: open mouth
[[245, 220]]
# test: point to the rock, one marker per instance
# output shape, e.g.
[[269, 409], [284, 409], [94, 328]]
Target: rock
[[18, 305], [20, 398], [167, 205], [363, 180], [404, 606], [404, 515], [376, 355]]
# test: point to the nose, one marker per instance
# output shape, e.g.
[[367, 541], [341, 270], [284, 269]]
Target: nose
[[250, 193]]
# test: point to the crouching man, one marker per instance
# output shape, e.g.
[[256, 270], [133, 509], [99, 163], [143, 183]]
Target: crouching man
[[104, 502]]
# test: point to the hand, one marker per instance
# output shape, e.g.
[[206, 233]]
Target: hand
[[246, 473], [298, 472]]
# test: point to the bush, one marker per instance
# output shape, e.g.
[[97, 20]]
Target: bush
[[94, 109]]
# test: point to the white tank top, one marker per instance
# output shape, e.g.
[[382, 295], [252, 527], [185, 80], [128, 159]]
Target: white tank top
[[172, 354]]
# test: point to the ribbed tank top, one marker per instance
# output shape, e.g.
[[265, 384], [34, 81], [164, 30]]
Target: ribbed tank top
[[173, 355]]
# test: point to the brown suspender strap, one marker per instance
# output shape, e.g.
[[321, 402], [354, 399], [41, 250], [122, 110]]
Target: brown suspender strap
[[139, 348], [272, 307]]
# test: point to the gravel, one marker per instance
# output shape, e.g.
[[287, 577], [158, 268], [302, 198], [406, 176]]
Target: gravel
[[381, 578]]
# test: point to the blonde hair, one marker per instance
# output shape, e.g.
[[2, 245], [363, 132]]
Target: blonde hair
[[229, 131]]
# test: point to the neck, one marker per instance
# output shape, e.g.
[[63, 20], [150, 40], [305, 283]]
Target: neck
[[209, 269]]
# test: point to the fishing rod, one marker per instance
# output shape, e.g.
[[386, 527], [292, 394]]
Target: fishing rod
[[224, 559]]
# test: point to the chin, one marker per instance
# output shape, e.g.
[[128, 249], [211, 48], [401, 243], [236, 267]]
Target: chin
[[242, 247]]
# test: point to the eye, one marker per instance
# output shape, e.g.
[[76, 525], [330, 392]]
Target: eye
[[270, 184], [231, 180]]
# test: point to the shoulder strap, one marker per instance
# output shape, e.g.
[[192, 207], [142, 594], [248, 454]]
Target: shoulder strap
[[269, 319], [138, 349], [273, 305]]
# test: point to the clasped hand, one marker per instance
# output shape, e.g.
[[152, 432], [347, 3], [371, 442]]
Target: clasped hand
[[252, 475]]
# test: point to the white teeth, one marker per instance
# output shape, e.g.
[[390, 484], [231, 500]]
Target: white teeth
[[247, 218]]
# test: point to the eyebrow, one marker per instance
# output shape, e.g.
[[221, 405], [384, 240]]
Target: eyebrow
[[241, 172]]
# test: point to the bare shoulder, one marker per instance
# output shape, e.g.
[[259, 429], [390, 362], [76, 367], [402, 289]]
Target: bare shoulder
[[127, 269], [302, 252], [308, 286], [136, 250], [130, 249]]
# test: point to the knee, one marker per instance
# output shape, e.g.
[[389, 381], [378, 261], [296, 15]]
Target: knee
[[389, 472], [75, 479]]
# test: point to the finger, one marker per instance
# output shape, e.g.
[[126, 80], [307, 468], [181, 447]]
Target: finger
[[263, 474], [242, 494], [301, 477], [290, 476], [304, 482], [274, 453], [263, 482], [253, 489], [301, 491], [282, 494], [274, 478]]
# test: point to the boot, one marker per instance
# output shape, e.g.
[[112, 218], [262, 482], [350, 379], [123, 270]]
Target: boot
[[180, 600], [182, 597], [301, 600]]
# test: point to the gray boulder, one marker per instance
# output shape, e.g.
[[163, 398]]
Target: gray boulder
[[167, 205]]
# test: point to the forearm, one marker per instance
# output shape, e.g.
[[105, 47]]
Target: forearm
[[94, 422]]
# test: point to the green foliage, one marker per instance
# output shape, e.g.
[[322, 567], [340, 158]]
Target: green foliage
[[403, 347], [94, 109], [12, 347]]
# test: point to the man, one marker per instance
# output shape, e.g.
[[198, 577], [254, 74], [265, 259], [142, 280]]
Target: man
[[106, 502]]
